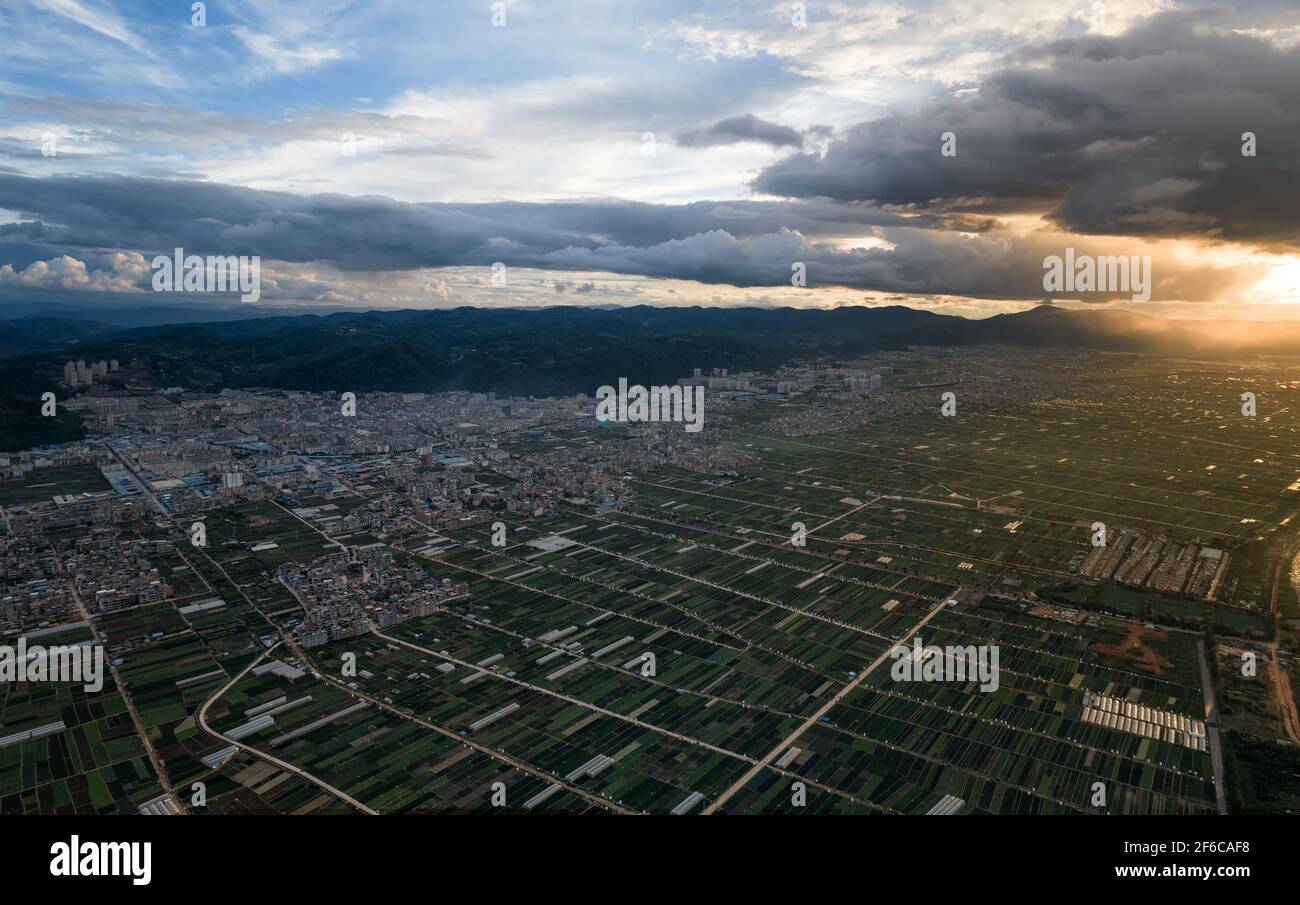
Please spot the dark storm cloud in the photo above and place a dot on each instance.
(375, 233)
(920, 261)
(737, 129)
(1138, 134)
(639, 223)
(352, 233)
(741, 243)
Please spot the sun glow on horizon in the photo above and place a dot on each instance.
(1282, 284)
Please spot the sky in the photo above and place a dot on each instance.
(933, 153)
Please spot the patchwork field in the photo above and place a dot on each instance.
(728, 642)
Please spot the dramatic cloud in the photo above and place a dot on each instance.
(124, 273)
(636, 152)
(740, 244)
(368, 233)
(997, 265)
(1139, 134)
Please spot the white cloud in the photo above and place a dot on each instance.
(126, 272)
(272, 54)
(102, 21)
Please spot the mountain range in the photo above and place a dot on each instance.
(541, 351)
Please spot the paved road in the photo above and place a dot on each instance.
(1212, 726)
(482, 749)
(1023, 481)
(1279, 681)
(614, 714)
(441, 730)
(283, 765)
(166, 514)
(812, 720)
(122, 690)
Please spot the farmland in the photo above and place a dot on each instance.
(726, 640)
